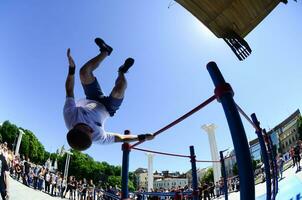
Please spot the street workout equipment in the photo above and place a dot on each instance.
(231, 20)
(224, 94)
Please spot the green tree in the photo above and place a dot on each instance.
(9, 132)
(133, 178)
(235, 169)
(208, 176)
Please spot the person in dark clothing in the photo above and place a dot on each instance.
(297, 156)
(3, 177)
(206, 194)
(26, 168)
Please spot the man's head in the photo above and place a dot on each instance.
(80, 137)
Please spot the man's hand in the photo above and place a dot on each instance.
(149, 136)
(144, 137)
(70, 59)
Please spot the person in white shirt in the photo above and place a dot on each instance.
(86, 119)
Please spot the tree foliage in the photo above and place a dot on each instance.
(235, 169)
(30, 146)
(208, 176)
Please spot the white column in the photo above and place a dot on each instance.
(19, 142)
(67, 164)
(210, 129)
(150, 171)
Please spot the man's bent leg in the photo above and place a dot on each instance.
(119, 89)
(115, 99)
(86, 74)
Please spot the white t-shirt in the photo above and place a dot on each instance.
(90, 112)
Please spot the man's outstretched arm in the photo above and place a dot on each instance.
(131, 138)
(69, 84)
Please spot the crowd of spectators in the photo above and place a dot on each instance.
(52, 182)
(206, 191)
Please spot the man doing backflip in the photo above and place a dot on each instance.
(86, 118)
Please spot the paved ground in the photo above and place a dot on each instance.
(18, 191)
(290, 189)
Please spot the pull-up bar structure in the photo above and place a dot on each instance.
(264, 156)
(224, 94)
(200, 106)
(267, 153)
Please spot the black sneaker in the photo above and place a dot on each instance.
(103, 46)
(125, 67)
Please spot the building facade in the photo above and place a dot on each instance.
(141, 177)
(255, 149)
(169, 183)
(229, 162)
(286, 132)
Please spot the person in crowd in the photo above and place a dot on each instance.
(211, 189)
(59, 184)
(42, 172)
(64, 186)
(18, 170)
(4, 187)
(221, 186)
(84, 189)
(47, 181)
(206, 194)
(36, 177)
(30, 177)
(280, 163)
(74, 187)
(27, 166)
(292, 153)
(69, 187)
(297, 156)
(90, 190)
(217, 189)
(86, 119)
(53, 183)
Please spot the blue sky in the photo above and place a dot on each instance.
(171, 49)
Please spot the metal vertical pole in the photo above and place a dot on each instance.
(125, 167)
(194, 173)
(275, 167)
(223, 172)
(224, 94)
(264, 156)
(270, 155)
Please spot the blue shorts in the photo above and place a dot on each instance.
(94, 92)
